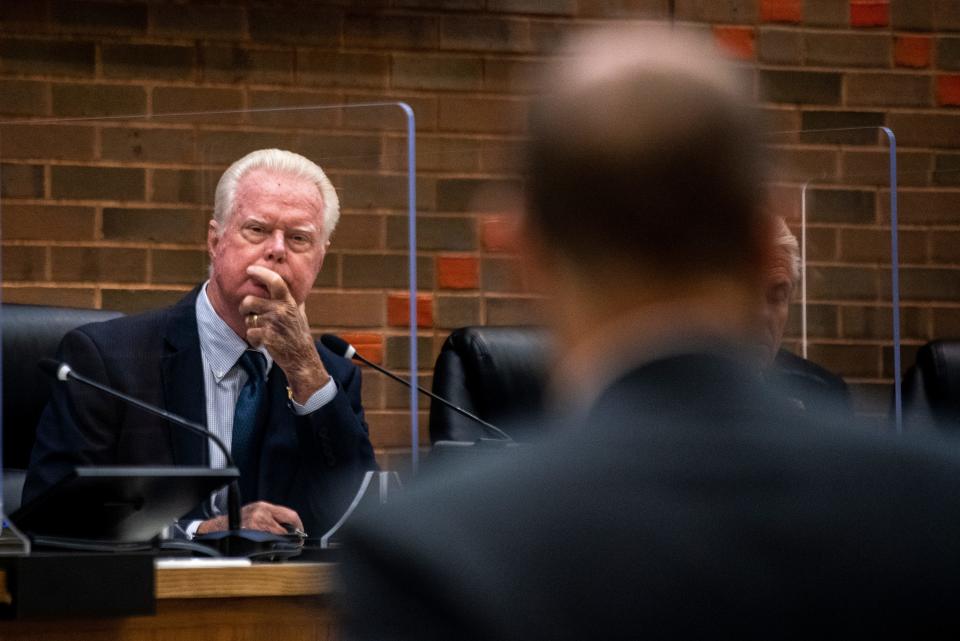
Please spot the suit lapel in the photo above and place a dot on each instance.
(181, 370)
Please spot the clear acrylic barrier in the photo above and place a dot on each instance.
(838, 190)
(111, 212)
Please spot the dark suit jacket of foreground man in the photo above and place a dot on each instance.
(310, 464)
(687, 503)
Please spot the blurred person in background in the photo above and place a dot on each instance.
(678, 498)
(807, 384)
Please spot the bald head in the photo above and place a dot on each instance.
(646, 153)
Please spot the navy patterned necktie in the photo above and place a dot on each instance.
(248, 415)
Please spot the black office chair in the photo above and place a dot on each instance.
(815, 387)
(30, 332)
(931, 388)
(493, 372)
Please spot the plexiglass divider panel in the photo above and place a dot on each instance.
(837, 189)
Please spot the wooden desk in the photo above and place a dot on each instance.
(288, 602)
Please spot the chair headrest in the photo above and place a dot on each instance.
(501, 363)
(939, 361)
(32, 332)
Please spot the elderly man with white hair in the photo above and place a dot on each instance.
(806, 384)
(235, 353)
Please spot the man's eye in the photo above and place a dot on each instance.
(300, 239)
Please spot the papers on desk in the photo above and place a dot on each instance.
(179, 564)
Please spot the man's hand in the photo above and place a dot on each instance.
(257, 516)
(280, 325)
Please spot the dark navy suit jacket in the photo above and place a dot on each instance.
(311, 463)
(689, 503)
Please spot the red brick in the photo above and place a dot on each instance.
(98, 100)
(332, 69)
(49, 142)
(911, 51)
(948, 90)
(185, 266)
(444, 72)
(151, 145)
(239, 64)
(869, 13)
(508, 310)
(132, 301)
(58, 295)
(21, 181)
(346, 309)
(368, 344)
(290, 112)
(398, 310)
(112, 264)
(47, 222)
(458, 272)
(359, 231)
(736, 41)
(97, 183)
(476, 33)
(23, 98)
(154, 225)
(501, 275)
(499, 233)
(176, 100)
(169, 62)
(494, 115)
(390, 32)
(24, 263)
(780, 11)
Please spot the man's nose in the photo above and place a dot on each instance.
(276, 247)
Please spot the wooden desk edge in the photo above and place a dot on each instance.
(263, 580)
(266, 580)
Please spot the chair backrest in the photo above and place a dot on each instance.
(931, 388)
(31, 332)
(494, 372)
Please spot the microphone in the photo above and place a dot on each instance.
(235, 541)
(341, 347)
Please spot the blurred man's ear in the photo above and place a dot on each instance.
(212, 237)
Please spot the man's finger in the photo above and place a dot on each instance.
(255, 305)
(285, 515)
(275, 285)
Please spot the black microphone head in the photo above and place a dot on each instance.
(337, 345)
(54, 368)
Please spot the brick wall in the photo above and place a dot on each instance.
(111, 213)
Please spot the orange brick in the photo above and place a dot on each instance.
(398, 310)
(948, 90)
(780, 11)
(458, 272)
(869, 13)
(911, 51)
(499, 233)
(368, 344)
(736, 41)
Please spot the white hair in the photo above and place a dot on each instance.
(786, 241)
(285, 162)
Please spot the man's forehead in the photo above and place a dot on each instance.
(289, 188)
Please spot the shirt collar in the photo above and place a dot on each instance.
(220, 345)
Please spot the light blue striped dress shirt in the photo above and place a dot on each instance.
(223, 378)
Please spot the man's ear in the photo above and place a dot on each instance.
(212, 238)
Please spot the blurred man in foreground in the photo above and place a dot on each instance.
(236, 354)
(806, 384)
(681, 499)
